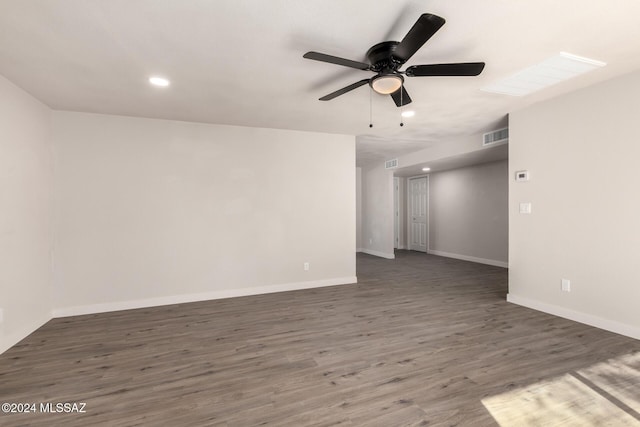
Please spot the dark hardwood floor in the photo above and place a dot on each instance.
(420, 340)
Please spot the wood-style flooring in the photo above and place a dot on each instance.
(420, 341)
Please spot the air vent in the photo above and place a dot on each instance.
(495, 137)
(391, 164)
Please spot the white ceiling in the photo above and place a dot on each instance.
(240, 62)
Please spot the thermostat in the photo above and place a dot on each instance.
(522, 176)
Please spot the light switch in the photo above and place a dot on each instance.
(525, 208)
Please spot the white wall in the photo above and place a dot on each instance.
(468, 213)
(151, 211)
(582, 151)
(25, 211)
(377, 211)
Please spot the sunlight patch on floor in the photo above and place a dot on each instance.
(605, 394)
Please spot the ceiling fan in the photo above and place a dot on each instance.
(386, 58)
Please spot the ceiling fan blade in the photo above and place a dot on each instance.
(459, 69)
(425, 27)
(400, 101)
(317, 56)
(344, 90)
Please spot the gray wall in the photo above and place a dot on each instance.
(468, 213)
(153, 212)
(582, 151)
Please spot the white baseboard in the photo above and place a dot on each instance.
(493, 262)
(359, 250)
(9, 340)
(378, 253)
(179, 299)
(577, 316)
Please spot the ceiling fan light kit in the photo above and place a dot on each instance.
(386, 59)
(386, 84)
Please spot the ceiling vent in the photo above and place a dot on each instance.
(495, 137)
(391, 164)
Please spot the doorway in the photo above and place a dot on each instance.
(418, 217)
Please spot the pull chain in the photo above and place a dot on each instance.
(370, 108)
(401, 104)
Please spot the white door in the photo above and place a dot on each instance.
(418, 188)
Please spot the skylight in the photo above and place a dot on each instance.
(556, 69)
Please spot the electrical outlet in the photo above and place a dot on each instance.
(306, 266)
(525, 208)
(566, 285)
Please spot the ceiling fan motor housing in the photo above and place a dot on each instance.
(381, 57)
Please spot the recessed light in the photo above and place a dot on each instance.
(426, 169)
(556, 69)
(159, 81)
(408, 113)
